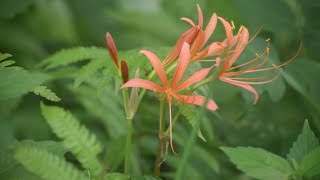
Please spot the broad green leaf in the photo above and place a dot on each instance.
(10, 8)
(310, 165)
(306, 142)
(302, 76)
(15, 82)
(46, 93)
(274, 15)
(259, 163)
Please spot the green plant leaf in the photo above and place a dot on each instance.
(17, 82)
(306, 142)
(76, 137)
(116, 176)
(46, 93)
(191, 114)
(69, 56)
(259, 163)
(301, 75)
(10, 8)
(310, 165)
(45, 164)
(274, 15)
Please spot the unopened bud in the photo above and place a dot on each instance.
(124, 71)
(112, 49)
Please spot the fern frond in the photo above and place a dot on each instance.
(45, 164)
(4, 56)
(69, 56)
(46, 93)
(89, 69)
(5, 62)
(76, 137)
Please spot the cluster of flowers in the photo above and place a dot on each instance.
(190, 48)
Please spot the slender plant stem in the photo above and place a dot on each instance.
(162, 140)
(127, 163)
(128, 148)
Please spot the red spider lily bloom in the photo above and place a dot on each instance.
(227, 73)
(170, 90)
(203, 35)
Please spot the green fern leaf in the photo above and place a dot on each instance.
(69, 56)
(89, 69)
(46, 93)
(5, 62)
(45, 164)
(4, 56)
(76, 137)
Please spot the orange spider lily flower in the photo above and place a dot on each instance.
(170, 91)
(227, 73)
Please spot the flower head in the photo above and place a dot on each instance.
(228, 73)
(171, 90)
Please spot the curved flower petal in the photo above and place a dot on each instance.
(142, 83)
(182, 65)
(198, 43)
(210, 27)
(228, 30)
(188, 21)
(200, 16)
(157, 65)
(242, 43)
(199, 101)
(188, 37)
(197, 76)
(243, 85)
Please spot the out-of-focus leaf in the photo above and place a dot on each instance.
(56, 17)
(274, 15)
(76, 137)
(310, 165)
(36, 160)
(145, 178)
(51, 146)
(15, 82)
(116, 176)
(10, 8)
(259, 163)
(306, 142)
(303, 76)
(46, 93)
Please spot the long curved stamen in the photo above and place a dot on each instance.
(205, 60)
(259, 78)
(278, 66)
(246, 63)
(255, 35)
(171, 145)
(263, 82)
(251, 69)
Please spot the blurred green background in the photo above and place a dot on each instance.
(31, 30)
